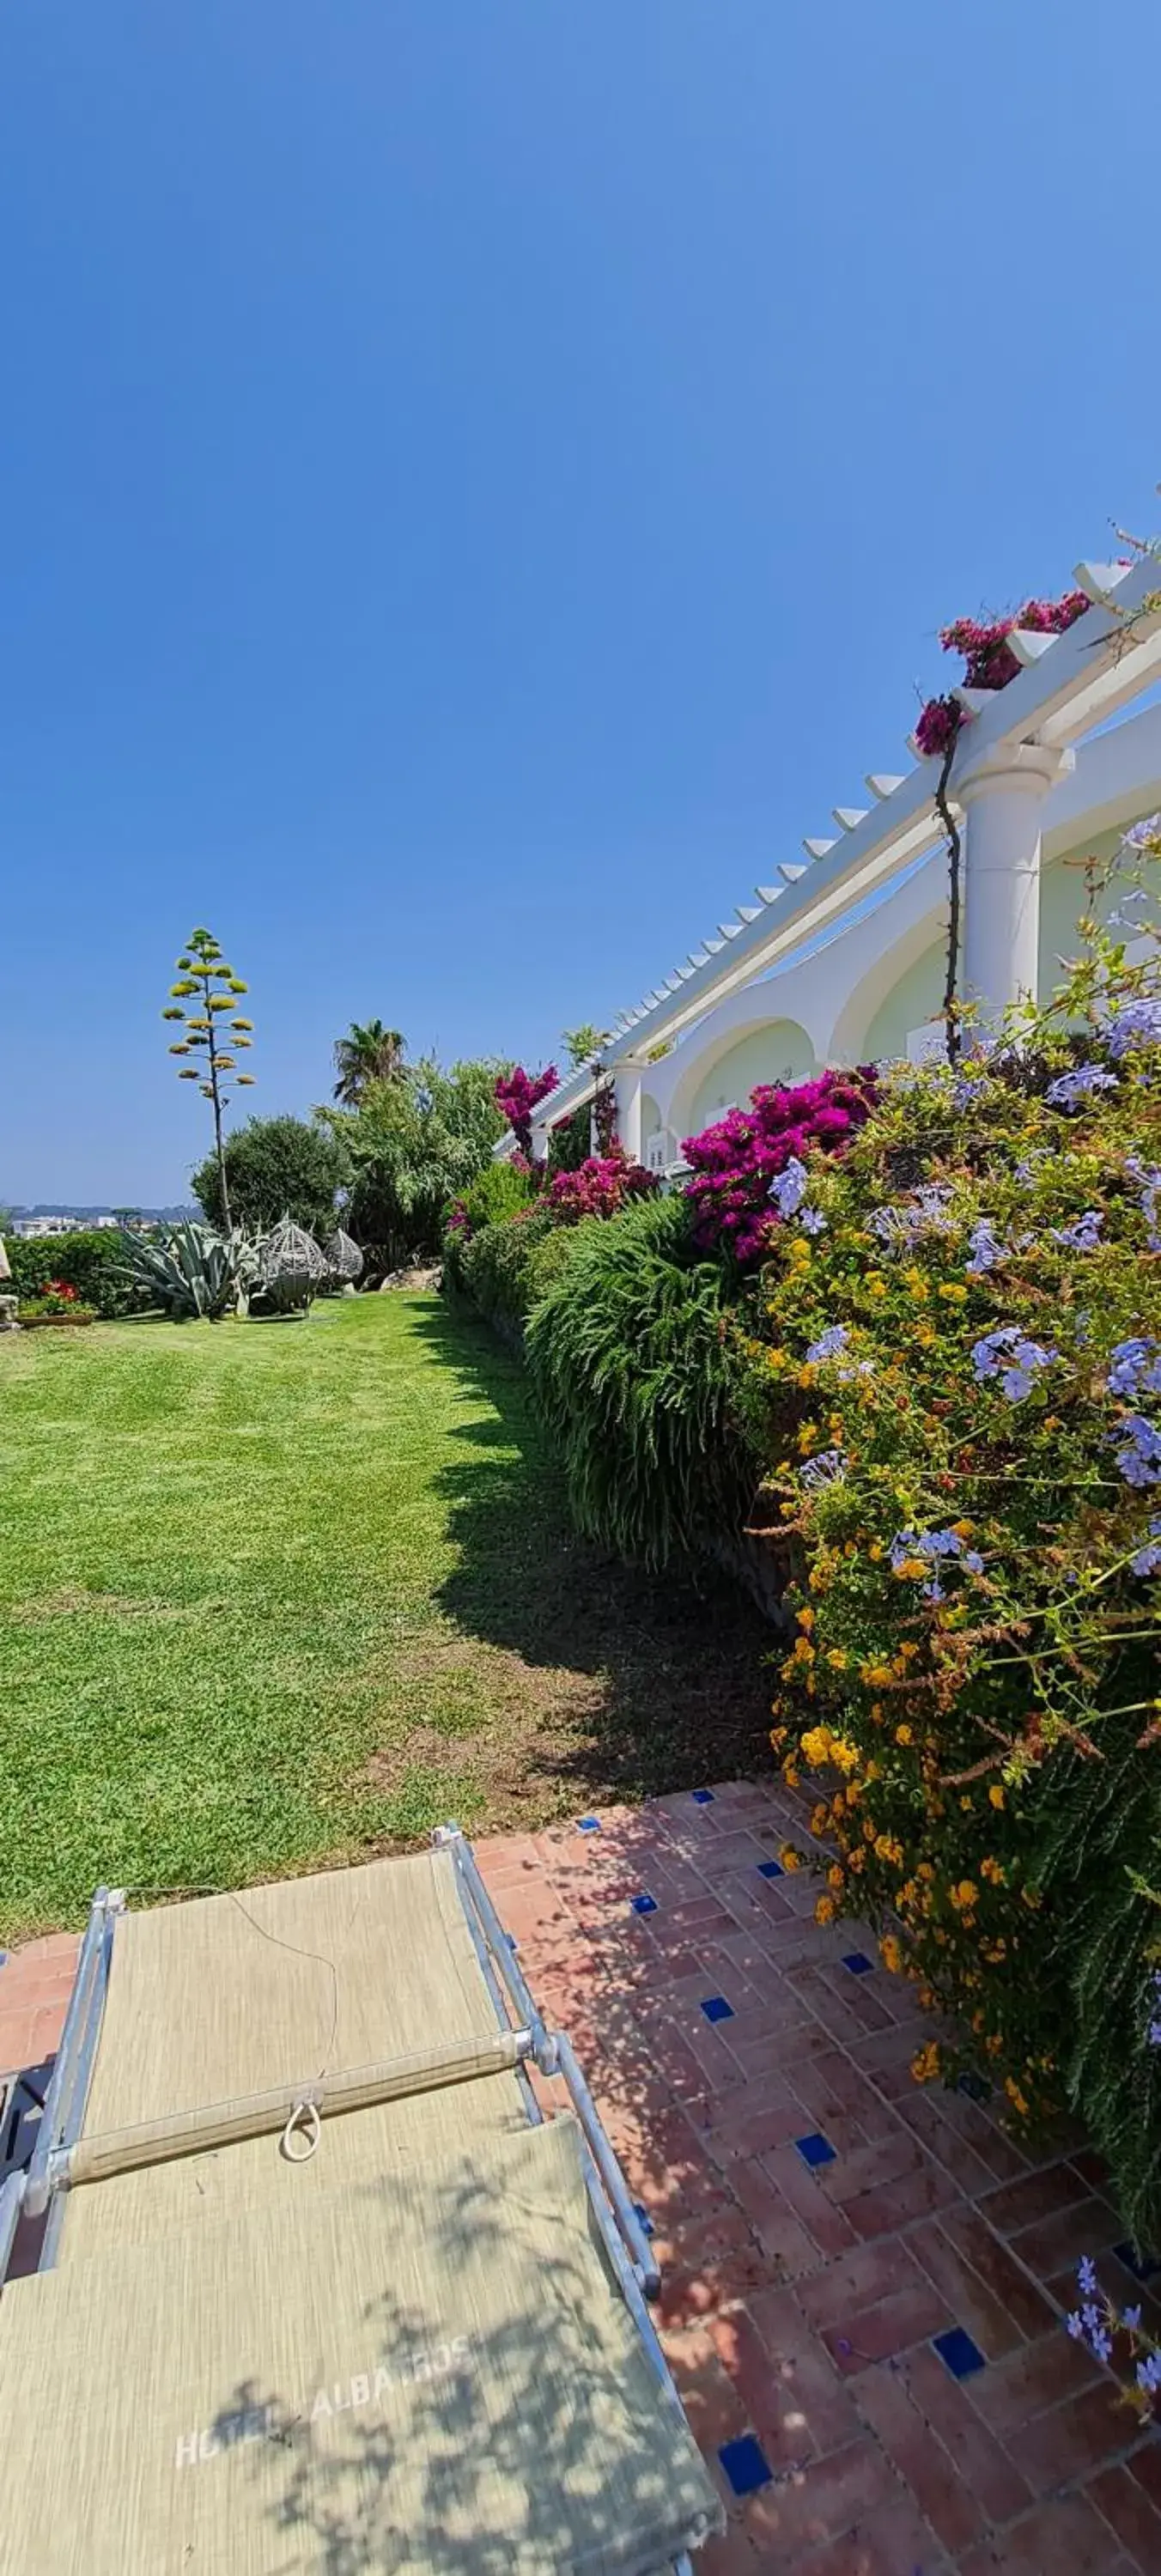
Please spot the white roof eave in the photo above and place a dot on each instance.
(1084, 676)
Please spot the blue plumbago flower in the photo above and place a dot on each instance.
(828, 1468)
(968, 1088)
(931, 1545)
(1148, 1558)
(1069, 1089)
(899, 1228)
(1086, 2275)
(1135, 1024)
(1139, 1459)
(1149, 2373)
(834, 1339)
(789, 1189)
(1131, 2317)
(985, 1248)
(812, 1221)
(1155, 2026)
(1028, 1169)
(1133, 1371)
(1010, 1356)
(1139, 835)
(1149, 1176)
(1084, 1234)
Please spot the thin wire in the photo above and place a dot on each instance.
(299, 1952)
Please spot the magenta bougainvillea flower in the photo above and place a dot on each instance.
(518, 1093)
(989, 660)
(599, 1186)
(735, 1164)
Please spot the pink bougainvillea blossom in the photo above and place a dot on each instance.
(989, 660)
(599, 1186)
(735, 1164)
(518, 1093)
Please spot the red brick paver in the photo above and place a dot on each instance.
(800, 2304)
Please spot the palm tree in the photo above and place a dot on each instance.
(368, 1053)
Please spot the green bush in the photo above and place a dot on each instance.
(569, 1144)
(275, 1167)
(505, 1268)
(637, 1373)
(89, 1261)
(499, 1191)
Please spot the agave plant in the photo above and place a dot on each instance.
(189, 1271)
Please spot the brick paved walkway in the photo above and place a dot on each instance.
(862, 2281)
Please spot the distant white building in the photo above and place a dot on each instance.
(840, 959)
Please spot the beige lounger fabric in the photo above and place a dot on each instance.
(429, 2372)
(354, 2153)
(236, 1994)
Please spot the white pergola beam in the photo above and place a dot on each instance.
(1095, 668)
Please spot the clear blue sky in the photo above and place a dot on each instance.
(481, 478)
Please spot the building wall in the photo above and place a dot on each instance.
(780, 1051)
(916, 997)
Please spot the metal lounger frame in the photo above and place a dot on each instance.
(42, 2190)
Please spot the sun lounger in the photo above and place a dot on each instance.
(319, 2288)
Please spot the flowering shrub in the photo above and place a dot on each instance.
(989, 660)
(748, 1173)
(599, 1186)
(518, 1093)
(960, 1378)
(56, 1305)
(64, 1289)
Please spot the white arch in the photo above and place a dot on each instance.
(695, 1068)
(903, 944)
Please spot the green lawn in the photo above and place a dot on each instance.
(279, 1593)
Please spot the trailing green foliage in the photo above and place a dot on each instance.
(91, 1261)
(189, 1271)
(275, 1167)
(636, 1373)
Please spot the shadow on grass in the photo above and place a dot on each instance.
(678, 1661)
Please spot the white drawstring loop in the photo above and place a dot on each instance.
(305, 2126)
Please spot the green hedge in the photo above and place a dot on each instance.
(89, 1261)
(505, 1268)
(638, 1374)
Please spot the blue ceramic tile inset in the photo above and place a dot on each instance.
(716, 2008)
(745, 2464)
(858, 1963)
(957, 2351)
(771, 1869)
(644, 1904)
(702, 1797)
(815, 2150)
(588, 1824)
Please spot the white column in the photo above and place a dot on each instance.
(629, 1080)
(540, 1136)
(1003, 800)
